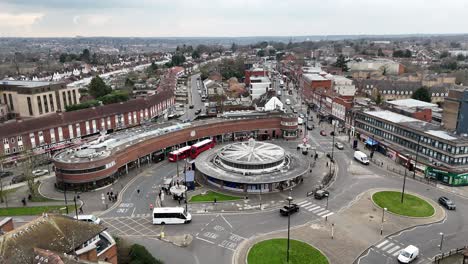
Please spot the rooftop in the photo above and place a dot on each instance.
(25, 84)
(412, 103)
(314, 77)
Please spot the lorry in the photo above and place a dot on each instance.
(361, 157)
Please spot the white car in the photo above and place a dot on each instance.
(40, 172)
(408, 254)
(90, 219)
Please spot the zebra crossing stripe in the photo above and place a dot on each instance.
(327, 215)
(310, 206)
(318, 210)
(313, 208)
(138, 215)
(381, 244)
(396, 253)
(393, 249)
(306, 204)
(324, 212)
(303, 202)
(387, 246)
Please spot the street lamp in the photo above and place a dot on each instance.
(404, 182)
(383, 219)
(441, 240)
(289, 226)
(65, 193)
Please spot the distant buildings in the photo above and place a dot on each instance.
(455, 116)
(27, 99)
(254, 72)
(56, 239)
(414, 108)
(259, 86)
(360, 69)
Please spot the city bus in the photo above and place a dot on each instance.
(201, 146)
(179, 154)
(171, 215)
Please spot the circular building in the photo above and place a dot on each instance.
(251, 166)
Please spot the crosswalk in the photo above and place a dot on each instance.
(315, 209)
(389, 247)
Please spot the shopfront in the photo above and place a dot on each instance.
(447, 177)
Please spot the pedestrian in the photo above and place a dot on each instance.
(138, 191)
(215, 200)
(327, 163)
(151, 206)
(24, 201)
(81, 209)
(178, 199)
(160, 192)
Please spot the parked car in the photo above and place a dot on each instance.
(90, 219)
(323, 133)
(198, 111)
(332, 133)
(38, 173)
(18, 178)
(320, 194)
(408, 254)
(447, 203)
(191, 106)
(289, 210)
(4, 174)
(338, 145)
(301, 116)
(310, 126)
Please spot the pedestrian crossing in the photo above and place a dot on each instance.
(315, 209)
(389, 247)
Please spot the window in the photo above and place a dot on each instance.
(78, 130)
(12, 140)
(39, 104)
(74, 96)
(7, 150)
(46, 106)
(109, 124)
(87, 127)
(5, 101)
(69, 97)
(33, 140)
(64, 97)
(94, 126)
(41, 137)
(52, 135)
(5, 141)
(60, 133)
(70, 131)
(30, 106)
(12, 107)
(103, 124)
(129, 118)
(19, 139)
(51, 101)
(20, 147)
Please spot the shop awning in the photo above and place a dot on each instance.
(371, 142)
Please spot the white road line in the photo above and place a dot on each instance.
(306, 204)
(393, 249)
(309, 206)
(303, 202)
(205, 240)
(318, 210)
(226, 247)
(324, 212)
(133, 211)
(387, 246)
(396, 253)
(381, 244)
(313, 208)
(226, 221)
(327, 215)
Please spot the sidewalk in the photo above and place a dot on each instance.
(350, 237)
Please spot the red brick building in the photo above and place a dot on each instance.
(257, 72)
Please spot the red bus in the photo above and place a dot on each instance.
(201, 146)
(179, 154)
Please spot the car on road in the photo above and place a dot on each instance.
(310, 126)
(338, 145)
(323, 133)
(361, 157)
(289, 210)
(301, 115)
(447, 203)
(408, 254)
(18, 178)
(38, 173)
(320, 194)
(198, 111)
(4, 174)
(288, 102)
(90, 219)
(294, 110)
(191, 106)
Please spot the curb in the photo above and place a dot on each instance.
(410, 217)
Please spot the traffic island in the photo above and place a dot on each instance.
(412, 205)
(211, 196)
(273, 251)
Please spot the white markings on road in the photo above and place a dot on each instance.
(205, 240)
(327, 215)
(387, 246)
(226, 221)
(393, 249)
(313, 208)
(381, 244)
(318, 210)
(322, 213)
(396, 253)
(304, 203)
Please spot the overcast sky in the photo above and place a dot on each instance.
(162, 18)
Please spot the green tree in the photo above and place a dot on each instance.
(195, 54)
(422, 94)
(152, 68)
(380, 53)
(342, 63)
(94, 59)
(444, 54)
(140, 255)
(460, 57)
(177, 59)
(378, 99)
(129, 84)
(98, 88)
(234, 47)
(261, 53)
(86, 55)
(63, 58)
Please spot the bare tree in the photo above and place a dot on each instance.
(27, 167)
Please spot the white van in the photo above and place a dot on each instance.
(89, 219)
(408, 254)
(361, 157)
(288, 102)
(171, 215)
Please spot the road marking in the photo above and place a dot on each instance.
(318, 210)
(303, 202)
(324, 212)
(387, 246)
(313, 208)
(226, 221)
(393, 249)
(327, 215)
(381, 244)
(133, 211)
(205, 240)
(396, 253)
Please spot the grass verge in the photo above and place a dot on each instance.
(412, 205)
(273, 251)
(34, 210)
(210, 196)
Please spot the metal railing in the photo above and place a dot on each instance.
(452, 252)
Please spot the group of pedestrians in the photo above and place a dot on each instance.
(112, 196)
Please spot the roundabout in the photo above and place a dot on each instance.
(412, 205)
(273, 251)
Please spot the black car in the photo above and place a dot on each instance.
(18, 178)
(289, 210)
(310, 126)
(191, 106)
(320, 194)
(4, 174)
(447, 203)
(198, 111)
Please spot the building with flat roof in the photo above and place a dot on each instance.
(414, 108)
(258, 86)
(441, 154)
(455, 115)
(27, 99)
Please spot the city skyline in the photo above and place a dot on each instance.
(223, 18)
